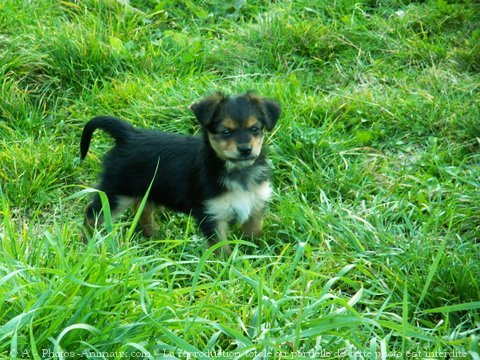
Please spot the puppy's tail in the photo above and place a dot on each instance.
(118, 129)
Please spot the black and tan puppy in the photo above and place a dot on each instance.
(220, 177)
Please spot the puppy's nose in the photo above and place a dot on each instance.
(245, 150)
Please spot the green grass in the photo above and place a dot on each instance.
(371, 242)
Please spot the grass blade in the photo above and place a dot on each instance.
(432, 271)
(457, 307)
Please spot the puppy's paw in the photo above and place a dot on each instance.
(148, 231)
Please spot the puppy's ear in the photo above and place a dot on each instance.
(272, 111)
(205, 109)
(270, 108)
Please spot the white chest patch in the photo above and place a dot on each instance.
(238, 204)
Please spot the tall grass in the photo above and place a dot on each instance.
(370, 247)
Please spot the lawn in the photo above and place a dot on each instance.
(371, 246)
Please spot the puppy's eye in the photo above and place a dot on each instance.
(255, 130)
(227, 132)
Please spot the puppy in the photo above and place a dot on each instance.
(220, 177)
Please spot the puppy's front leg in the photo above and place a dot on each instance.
(146, 221)
(221, 235)
(216, 231)
(253, 226)
(89, 223)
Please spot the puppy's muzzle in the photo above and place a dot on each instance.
(244, 151)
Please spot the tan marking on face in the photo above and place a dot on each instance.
(256, 142)
(230, 124)
(251, 122)
(225, 149)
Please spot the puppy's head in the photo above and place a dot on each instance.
(235, 125)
